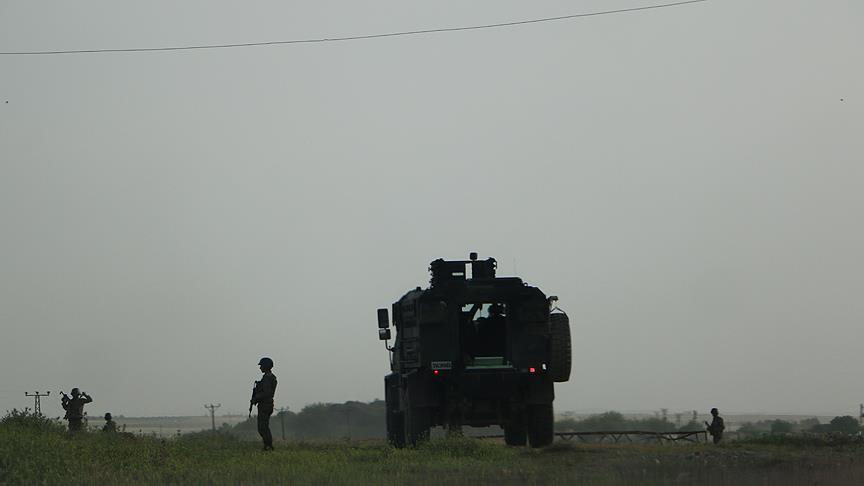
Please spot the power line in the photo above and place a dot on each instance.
(355, 37)
(37, 402)
(281, 415)
(212, 409)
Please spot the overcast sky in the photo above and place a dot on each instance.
(687, 180)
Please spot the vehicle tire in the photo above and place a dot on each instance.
(395, 419)
(416, 425)
(541, 425)
(395, 429)
(559, 367)
(515, 435)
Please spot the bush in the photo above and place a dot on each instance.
(31, 420)
(565, 425)
(806, 440)
(615, 421)
(692, 425)
(843, 425)
(781, 427)
(603, 422)
(349, 420)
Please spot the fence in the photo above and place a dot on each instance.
(617, 436)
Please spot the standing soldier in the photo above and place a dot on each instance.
(262, 395)
(716, 427)
(75, 408)
(110, 425)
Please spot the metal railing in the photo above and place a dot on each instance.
(618, 436)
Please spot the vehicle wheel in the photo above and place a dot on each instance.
(515, 435)
(395, 419)
(541, 425)
(395, 429)
(559, 367)
(416, 425)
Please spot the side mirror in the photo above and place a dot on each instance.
(383, 334)
(383, 319)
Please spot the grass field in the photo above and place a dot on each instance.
(49, 456)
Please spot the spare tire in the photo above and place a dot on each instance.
(559, 367)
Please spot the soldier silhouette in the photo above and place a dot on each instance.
(491, 332)
(74, 407)
(716, 427)
(262, 396)
(110, 425)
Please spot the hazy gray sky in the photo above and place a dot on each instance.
(688, 181)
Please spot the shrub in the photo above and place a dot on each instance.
(781, 427)
(692, 425)
(844, 425)
(806, 440)
(604, 421)
(31, 420)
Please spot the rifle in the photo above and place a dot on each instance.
(63, 401)
(251, 401)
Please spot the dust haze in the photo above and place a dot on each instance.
(687, 181)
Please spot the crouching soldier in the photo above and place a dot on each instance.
(262, 396)
(110, 424)
(74, 407)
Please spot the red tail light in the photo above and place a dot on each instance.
(532, 370)
(435, 372)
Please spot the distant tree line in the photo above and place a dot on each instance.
(358, 420)
(350, 420)
(616, 422)
(838, 425)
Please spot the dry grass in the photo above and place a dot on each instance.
(33, 456)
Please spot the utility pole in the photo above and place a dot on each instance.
(348, 420)
(282, 421)
(37, 403)
(212, 409)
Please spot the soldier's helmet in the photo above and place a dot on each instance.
(714, 411)
(266, 362)
(75, 392)
(108, 416)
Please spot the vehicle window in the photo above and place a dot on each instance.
(483, 331)
(483, 309)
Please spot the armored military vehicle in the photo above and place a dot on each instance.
(477, 350)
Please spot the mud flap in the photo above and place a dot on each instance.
(422, 391)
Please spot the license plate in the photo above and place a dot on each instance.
(442, 365)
